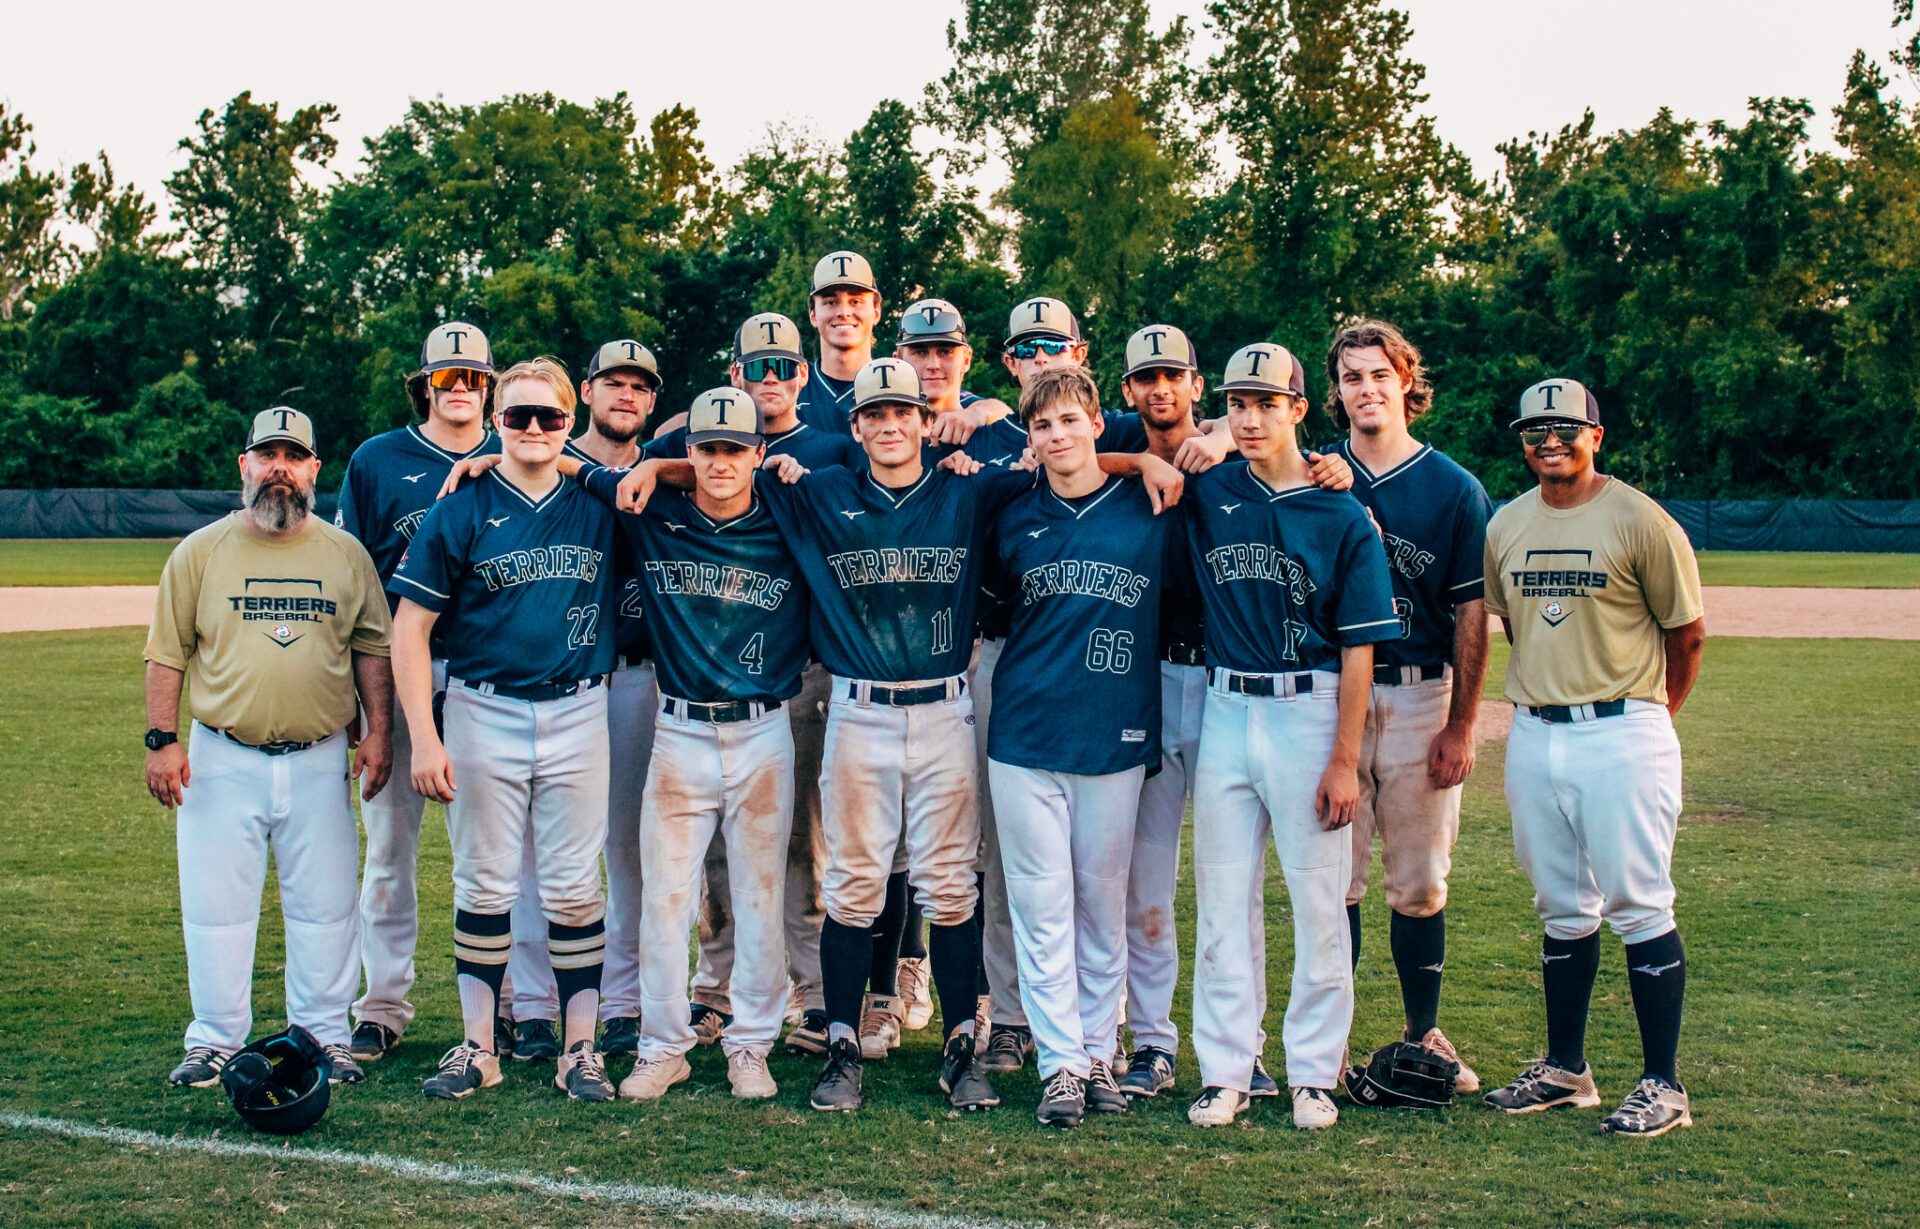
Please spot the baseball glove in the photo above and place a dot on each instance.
(1404, 1075)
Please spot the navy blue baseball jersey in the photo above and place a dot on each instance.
(392, 480)
(523, 587)
(1288, 578)
(825, 403)
(894, 574)
(805, 443)
(1077, 688)
(725, 597)
(1433, 520)
(630, 636)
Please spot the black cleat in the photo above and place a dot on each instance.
(535, 1041)
(372, 1041)
(582, 1074)
(838, 1089)
(1007, 1048)
(1063, 1102)
(1149, 1072)
(961, 1079)
(620, 1035)
(810, 1035)
(503, 1036)
(1654, 1107)
(1262, 1084)
(200, 1068)
(1104, 1095)
(1544, 1086)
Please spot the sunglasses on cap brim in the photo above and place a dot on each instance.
(448, 377)
(757, 369)
(1565, 432)
(519, 417)
(1027, 349)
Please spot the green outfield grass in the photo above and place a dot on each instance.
(1809, 569)
(1798, 843)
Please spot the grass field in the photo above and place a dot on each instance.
(1799, 842)
(137, 561)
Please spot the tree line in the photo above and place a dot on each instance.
(1744, 304)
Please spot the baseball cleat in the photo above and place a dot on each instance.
(1654, 1107)
(651, 1077)
(200, 1068)
(982, 1022)
(966, 1086)
(911, 980)
(1007, 1048)
(535, 1041)
(1313, 1109)
(464, 1070)
(373, 1041)
(1217, 1107)
(503, 1036)
(582, 1073)
(747, 1073)
(1436, 1041)
(620, 1035)
(1262, 1085)
(345, 1070)
(1104, 1095)
(1544, 1086)
(796, 1004)
(1063, 1102)
(1149, 1072)
(879, 1025)
(838, 1089)
(708, 1025)
(810, 1035)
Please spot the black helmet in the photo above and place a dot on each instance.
(279, 1084)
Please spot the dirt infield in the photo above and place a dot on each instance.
(33, 609)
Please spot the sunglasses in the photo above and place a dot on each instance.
(757, 369)
(1027, 349)
(1565, 432)
(518, 417)
(448, 377)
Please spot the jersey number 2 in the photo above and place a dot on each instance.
(584, 620)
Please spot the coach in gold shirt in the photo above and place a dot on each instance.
(279, 620)
(1600, 595)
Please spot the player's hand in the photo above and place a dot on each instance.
(1450, 758)
(952, 427)
(168, 774)
(432, 771)
(1329, 470)
(785, 468)
(464, 469)
(1029, 460)
(1337, 797)
(960, 463)
(1164, 482)
(373, 763)
(635, 489)
(1200, 453)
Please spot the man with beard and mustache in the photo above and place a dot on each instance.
(280, 620)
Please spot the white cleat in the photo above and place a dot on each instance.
(747, 1072)
(1313, 1109)
(879, 1025)
(651, 1077)
(1436, 1041)
(912, 981)
(1217, 1107)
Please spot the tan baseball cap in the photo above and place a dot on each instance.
(623, 355)
(456, 345)
(1264, 368)
(281, 424)
(843, 269)
(933, 321)
(767, 335)
(1160, 345)
(1040, 319)
(723, 413)
(886, 380)
(1558, 401)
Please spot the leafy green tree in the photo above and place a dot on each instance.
(31, 250)
(54, 441)
(174, 436)
(127, 318)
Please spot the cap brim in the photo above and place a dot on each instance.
(934, 339)
(645, 371)
(295, 440)
(750, 355)
(917, 402)
(465, 364)
(1160, 365)
(1041, 335)
(746, 439)
(843, 286)
(1249, 386)
(1549, 420)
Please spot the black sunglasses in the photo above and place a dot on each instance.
(756, 369)
(517, 417)
(1565, 432)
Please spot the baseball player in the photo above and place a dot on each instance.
(769, 365)
(519, 564)
(1082, 552)
(279, 619)
(390, 484)
(1418, 745)
(843, 307)
(619, 391)
(1296, 593)
(1599, 593)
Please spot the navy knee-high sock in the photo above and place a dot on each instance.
(887, 929)
(1567, 969)
(1353, 932)
(846, 952)
(1657, 974)
(1419, 954)
(955, 955)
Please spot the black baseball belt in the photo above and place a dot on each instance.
(1183, 654)
(556, 689)
(1263, 684)
(1396, 676)
(904, 697)
(1565, 714)
(722, 712)
(275, 748)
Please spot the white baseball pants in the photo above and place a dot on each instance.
(241, 804)
(1595, 807)
(892, 773)
(389, 885)
(1260, 763)
(1066, 841)
(1417, 823)
(528, 771)
(633, 700)
(996, 936)
(1153, 945)
(735, 778)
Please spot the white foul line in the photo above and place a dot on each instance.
(662, 1198)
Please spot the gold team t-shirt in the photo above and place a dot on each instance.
(1587, 591)
(266, 628)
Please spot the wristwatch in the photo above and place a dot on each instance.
(158, 738)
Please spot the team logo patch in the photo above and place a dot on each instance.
(1554, 613)
(1133, 736)
(283, 637)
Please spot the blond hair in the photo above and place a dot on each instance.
(1072, 384)
(545, 370)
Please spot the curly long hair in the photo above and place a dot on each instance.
(1401, 353)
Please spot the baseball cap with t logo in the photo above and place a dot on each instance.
(623, 355)
(456, 345)
(886, 381)
(1160, 345)
(1558, 401)
(767, 335)
(1264, 368)
(1042, 319)
(281, 424)
(843, 271)
(723, 415)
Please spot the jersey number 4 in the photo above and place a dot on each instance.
(1109, 650)
(584, 620)
(751, 656)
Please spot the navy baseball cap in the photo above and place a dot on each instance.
(1557, 401)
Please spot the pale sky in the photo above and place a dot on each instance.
(131, 79)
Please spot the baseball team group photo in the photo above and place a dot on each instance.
(1138, 643)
